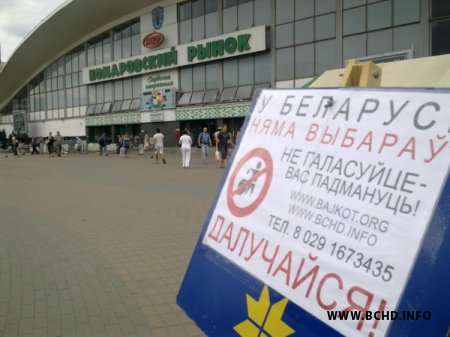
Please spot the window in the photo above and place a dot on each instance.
(284, 35)
(406, 11)
(244, 92)
(304, 31)
(135, 104)
(304, 61)
(325, 26)
(440, 8)
(90, 109)
(260, 87)
(230, 77)
(98, 108)
(354, 46)
(354, 20)
(379, 15)
(325, 56)
(440, 39)
(210, 96)
(285, 64)
(184, 11)
(185, 98)
(284, 11)
(245, 15)
(379, 42)
(228, 94)
(246, 70)
(106, 107)
(197, 97)
(126, 105)
(117, 106)
(304, 9)
(186, 79)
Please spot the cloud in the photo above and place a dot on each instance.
(18, 18)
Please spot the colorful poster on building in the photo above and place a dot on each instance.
(159, 91)
(328, 198)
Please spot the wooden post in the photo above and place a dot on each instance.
(361, 74)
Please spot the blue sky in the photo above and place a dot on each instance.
(18, 18)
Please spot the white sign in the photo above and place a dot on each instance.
(330, 194)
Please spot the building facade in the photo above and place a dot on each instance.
(186, 65)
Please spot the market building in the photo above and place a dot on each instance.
(95, 67)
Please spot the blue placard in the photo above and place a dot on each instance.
(229, 298)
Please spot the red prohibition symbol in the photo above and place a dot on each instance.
(265, 173)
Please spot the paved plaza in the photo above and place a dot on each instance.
(96, 246)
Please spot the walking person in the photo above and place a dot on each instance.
(141, 142)
(204, 141)
(126, 144)
(78, 145)
(158, 143)
(223, 145)
(102, 144)
(59, 140)
(15, 146)
(34, 144)
(50, 144)
(185, 142)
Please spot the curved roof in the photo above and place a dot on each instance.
(70, 25)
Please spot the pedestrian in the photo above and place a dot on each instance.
(177, 136)
(185, 142)
(59, 140)
(119, 143)
(50, 144)
(102, 141)
(15, 146)
(78, 145)
(204, 141)
(34, 144)
(141, 143)
(223, 145)
(158, 143)
(146, 144)
(126, 144)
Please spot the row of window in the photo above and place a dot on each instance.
(244, 15)
(244, 92)
(116, 106)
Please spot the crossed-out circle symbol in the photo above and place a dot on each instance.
(266, 173)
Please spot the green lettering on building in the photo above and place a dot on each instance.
(114, 71)
(230, 45)
(243, 42)
(217, 48)
(134, 66)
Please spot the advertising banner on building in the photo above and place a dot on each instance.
(159, 91)
(20, 122)
(327, 202)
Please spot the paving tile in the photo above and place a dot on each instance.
(80, 262)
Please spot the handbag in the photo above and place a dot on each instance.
(217, 155)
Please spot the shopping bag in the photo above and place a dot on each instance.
(122, 151)
(217, 155)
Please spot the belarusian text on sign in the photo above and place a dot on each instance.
(330, 194)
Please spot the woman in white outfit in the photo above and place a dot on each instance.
(186, 142)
